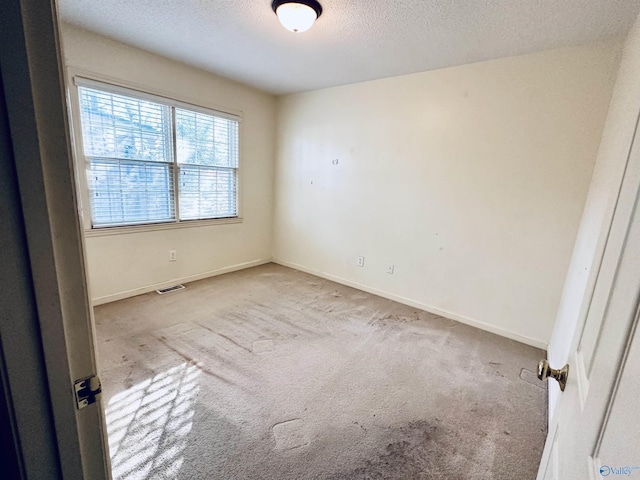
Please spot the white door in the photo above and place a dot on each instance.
(595, 429)
(48, 260)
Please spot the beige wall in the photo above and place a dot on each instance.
(122, 265)
(470, 180)
(600, 205)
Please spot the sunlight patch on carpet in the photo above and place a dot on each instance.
(148, 424)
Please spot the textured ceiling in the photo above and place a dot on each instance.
(353, 40)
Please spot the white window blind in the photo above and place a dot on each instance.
(133, 175)
(129, 192)
(207, 151)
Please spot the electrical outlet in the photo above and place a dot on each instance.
(172, 255)
(360, 262)
(390, 268)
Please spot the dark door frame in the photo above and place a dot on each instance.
(45, 311)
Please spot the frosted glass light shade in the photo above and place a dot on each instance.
(296, 17)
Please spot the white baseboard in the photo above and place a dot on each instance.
(192, 278)
(412, 303)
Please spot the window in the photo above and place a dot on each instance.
(152, 160)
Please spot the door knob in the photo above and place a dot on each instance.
(545, 371)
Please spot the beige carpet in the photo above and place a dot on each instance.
(274, 374)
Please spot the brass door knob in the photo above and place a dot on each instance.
(545, 371)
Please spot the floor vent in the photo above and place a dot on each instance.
(162, 291)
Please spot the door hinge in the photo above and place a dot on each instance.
(87, 391)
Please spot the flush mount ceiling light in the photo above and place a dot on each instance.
(297, 16)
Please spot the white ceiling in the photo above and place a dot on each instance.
(353, 40)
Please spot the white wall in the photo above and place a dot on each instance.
(600, 205)
(121, 265)
(470, 180)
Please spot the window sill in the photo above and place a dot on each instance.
(105, 231)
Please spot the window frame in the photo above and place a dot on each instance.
(79, 78)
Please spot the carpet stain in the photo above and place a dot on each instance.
(361, 426)
(395, 320)
(422, 449)
(407, 457)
